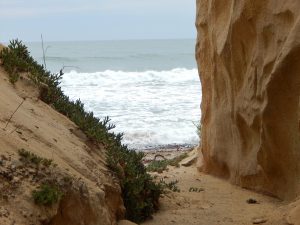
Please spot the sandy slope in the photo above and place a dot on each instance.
(219, 203)
(41, 130)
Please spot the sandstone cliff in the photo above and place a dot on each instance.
(248, 52)
(91, 195)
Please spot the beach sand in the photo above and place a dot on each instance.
(204, 199)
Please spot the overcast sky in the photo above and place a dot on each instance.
(63, 20)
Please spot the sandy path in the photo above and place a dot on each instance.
(219, 203)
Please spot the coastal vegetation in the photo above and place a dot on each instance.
(172, 185)
(29, 157)
(161, 165)
(139, 190)
(47, 195)
(198, 128)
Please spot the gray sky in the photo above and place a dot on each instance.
(63, 20)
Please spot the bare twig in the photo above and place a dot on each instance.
(44, 57)
(14, 113)
(48, 46)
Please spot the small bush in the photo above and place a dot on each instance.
(172, 185)
(158, 166)
(14, 77)
(30, 157)
(47, 162)
(198, 128)
(14, 59)
(139, 191)
(47, 195)
(161, 165)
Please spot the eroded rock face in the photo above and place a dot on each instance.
(86, 207)
(248, 52)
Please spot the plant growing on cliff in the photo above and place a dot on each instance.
(12, 61)
(29, 157)
(139, 191)
(198, 128)
(47, 195)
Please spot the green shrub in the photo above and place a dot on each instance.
(14, 77)
(172, 185)
(47, 162)
(198, 128)
(30, 157)
(158, 166)
(161, 165)
(47, 195)
(139, 191)
(14, 60)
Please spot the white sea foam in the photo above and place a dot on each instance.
(151, 107)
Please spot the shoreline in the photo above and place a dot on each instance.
(167, 147)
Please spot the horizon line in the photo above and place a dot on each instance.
(94, 40)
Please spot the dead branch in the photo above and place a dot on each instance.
(44, 56)
(14, 113)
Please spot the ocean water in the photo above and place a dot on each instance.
(149, 88)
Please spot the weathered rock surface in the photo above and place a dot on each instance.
(293, 216)
(83, 207)
(248, 52)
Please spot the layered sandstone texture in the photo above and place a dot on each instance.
(248, 53)
(91, 194)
